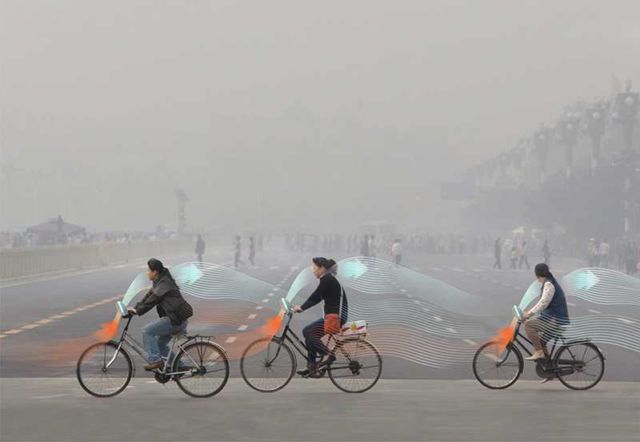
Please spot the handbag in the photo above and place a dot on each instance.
(332, 320)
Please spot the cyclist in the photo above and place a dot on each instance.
(172, 308)
(549, 314)
(335, 309)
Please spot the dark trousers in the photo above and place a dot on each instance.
(313, 334)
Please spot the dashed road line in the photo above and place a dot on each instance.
(13, 331)
(258, 307)
(229, 340)
(252, 316)
(470, 342)
(626, 321)
(571, 304)
(243, 327)
(437, 318)
(452, 330)
(594, 311)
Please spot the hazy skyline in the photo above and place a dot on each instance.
(282, 112)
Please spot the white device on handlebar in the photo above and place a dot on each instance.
(285, 305)
(122, 309)
(517, 311)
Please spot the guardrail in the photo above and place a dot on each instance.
(17, 263)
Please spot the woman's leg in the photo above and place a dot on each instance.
(313, 334)
(533, 327)
(151, 334)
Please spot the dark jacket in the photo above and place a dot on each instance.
(329, 291)
(166, 297)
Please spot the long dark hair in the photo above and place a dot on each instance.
(157, 266)
(542, 270)
(328, 264)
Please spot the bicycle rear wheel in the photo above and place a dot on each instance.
(103, 370)
(267, 365)
(206, 366)
(580, 366)
(357, 367)
(496, 366)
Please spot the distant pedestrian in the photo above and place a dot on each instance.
(252, 251)
(523, 255)
(396, 252)
(200, 247)
(497, 253)
(514, 256)
(364, 248)
(603, 252)
(238, 251)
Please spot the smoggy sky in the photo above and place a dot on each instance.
(296, 112)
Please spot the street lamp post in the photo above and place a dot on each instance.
(568, 131)
(595, 121)
(541, 140)
(625, 113)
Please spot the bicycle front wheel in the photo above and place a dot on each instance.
(357, 367)
(267, 365)
(496, 366)
(203, 369)
(103, 370)
(579, 366)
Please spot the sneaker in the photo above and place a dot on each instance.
(304, 372)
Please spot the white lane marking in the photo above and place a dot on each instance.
(571, 304)
(293, 269)
(436, 269)
(43, 321)
(265, 300)
(229, 340)
(243, 327)
(593, 311)
(457, 269)
(57, 317)
(403, 290)
(437, 318)
(258, 307)
(270, 294)
(252, 316)
(30, 326)
(426, 309)
(409, 296)
(626, 321)
(52, 396)
(477, 270)
(470, 342)
(452, 330)
(3, 336)
(13, 331)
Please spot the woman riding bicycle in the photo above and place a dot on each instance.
(172, 308)
(335, 314)
(548, 315)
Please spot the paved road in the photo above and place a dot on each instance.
(57, 410)
(37, 319)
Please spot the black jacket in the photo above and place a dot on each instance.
(166, 297)
(329, 291)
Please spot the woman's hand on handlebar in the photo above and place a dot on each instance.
(296, 309)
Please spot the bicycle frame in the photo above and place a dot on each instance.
(300, 346)
(127, 340)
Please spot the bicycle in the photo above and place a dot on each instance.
(356, 369)
(578, 364)
(106, 368)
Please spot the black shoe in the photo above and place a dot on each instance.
(328, 360)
